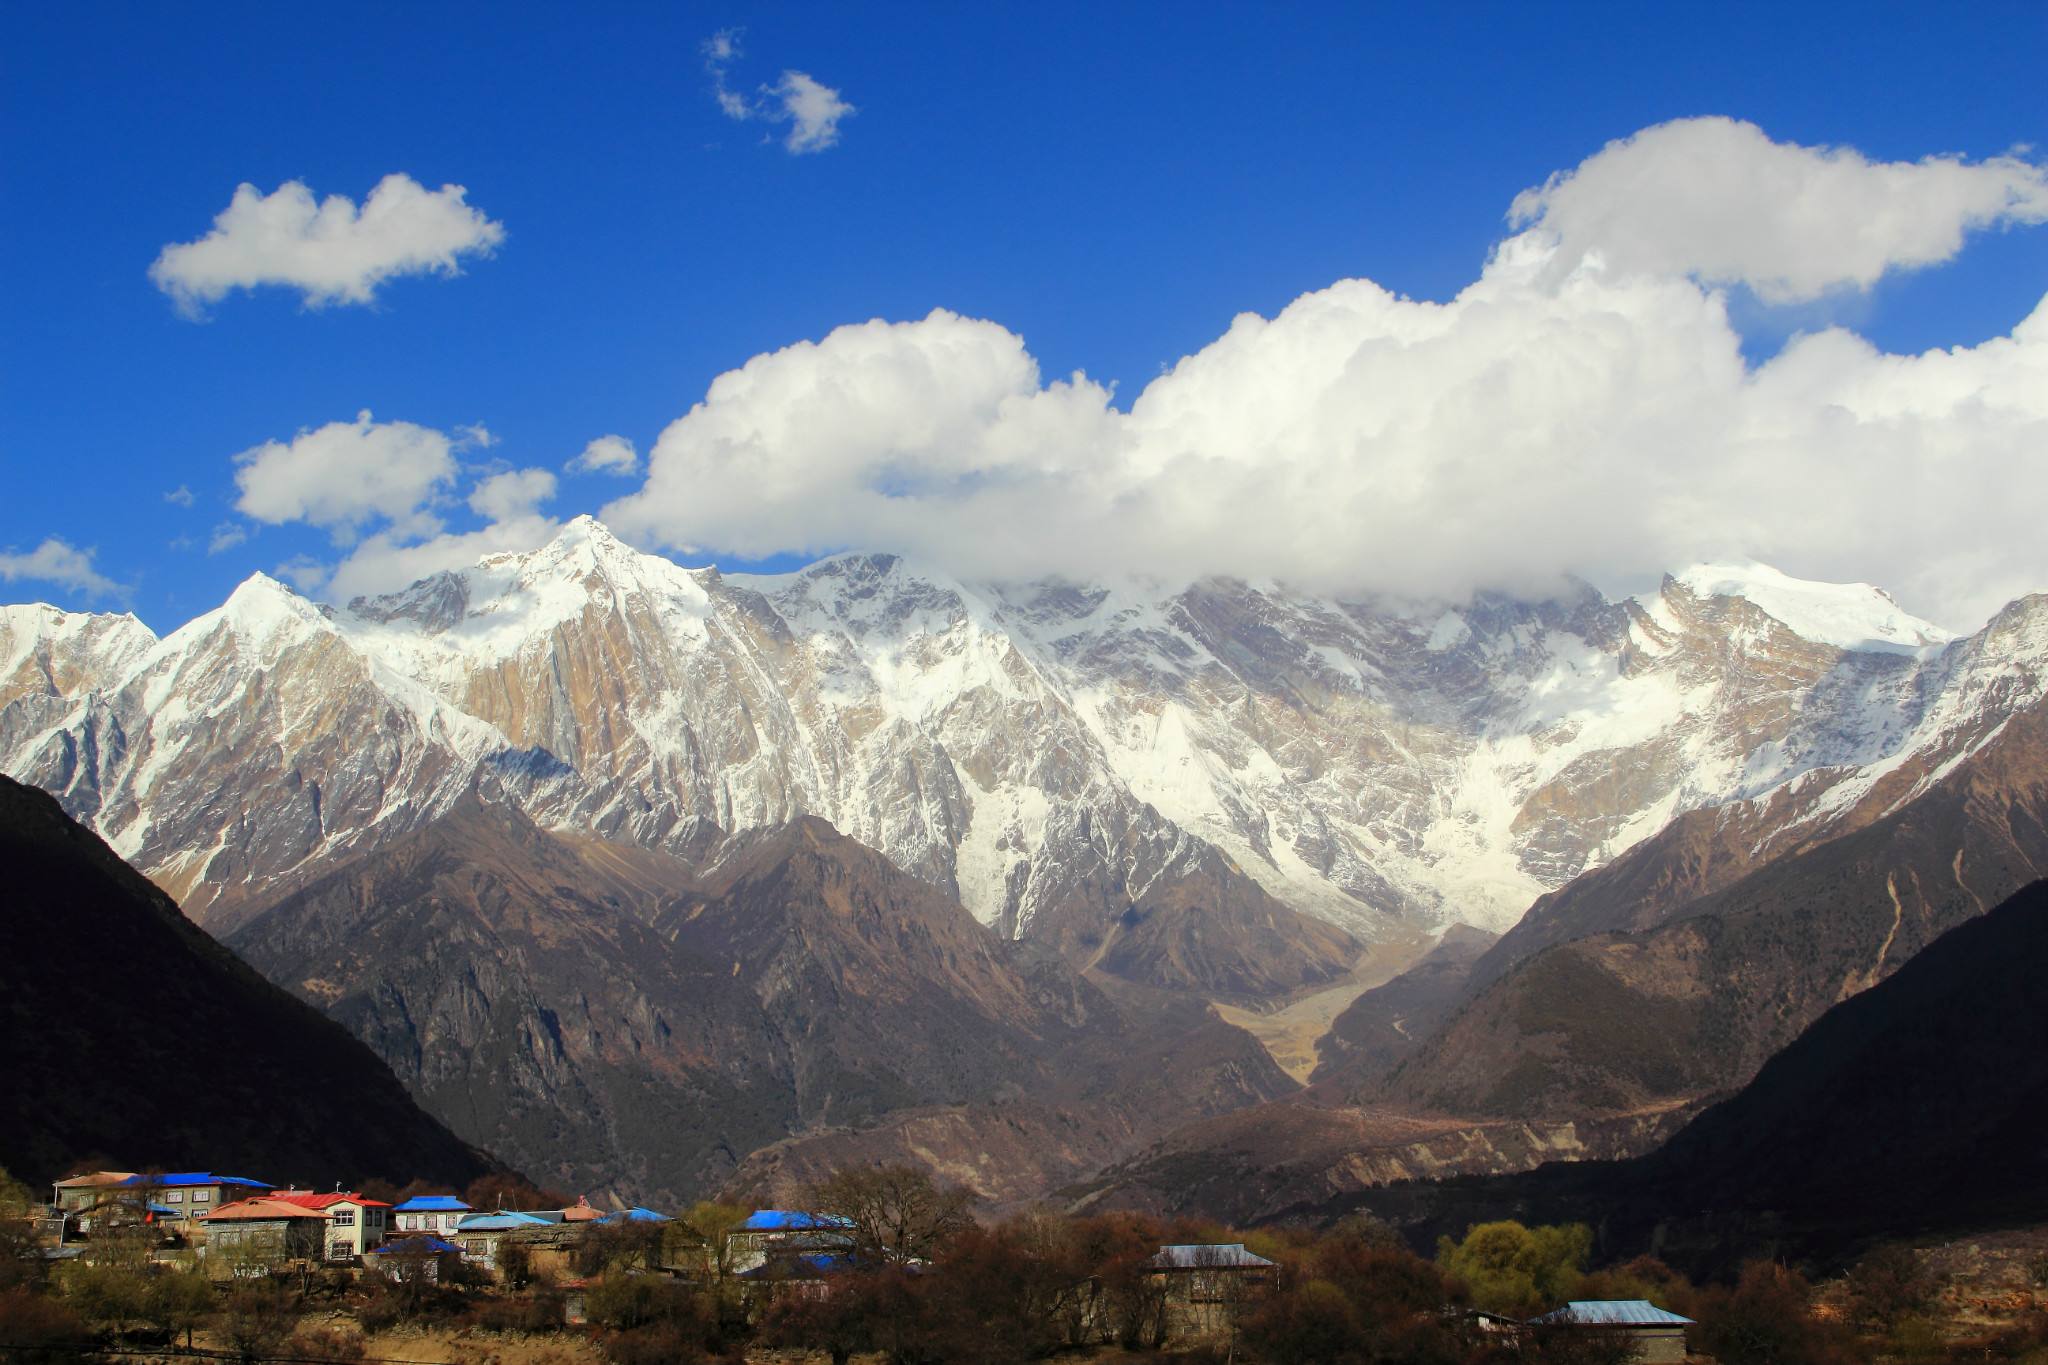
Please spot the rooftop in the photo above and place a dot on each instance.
(432, 1203)
(174, 1180)
(504, 1220)
(259, 1208)
(314, 1200)
(422, 1245)
(1614, 1313)
(1209, 1256)
(786, 1220)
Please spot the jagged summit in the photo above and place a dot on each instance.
(1849, 615)
(1030, 748)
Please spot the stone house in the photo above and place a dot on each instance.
(257, 1234)
(780, 1233)
(1659, 1336)
(1207, 1284)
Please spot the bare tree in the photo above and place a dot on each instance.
(896, 1214)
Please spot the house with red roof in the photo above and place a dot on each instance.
(252, 1235)
(355, 1222)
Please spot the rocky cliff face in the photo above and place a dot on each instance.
(1121, 770)
(620, 1020)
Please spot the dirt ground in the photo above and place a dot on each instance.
(1289, 1033)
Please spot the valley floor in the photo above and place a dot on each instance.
(1290, 1030)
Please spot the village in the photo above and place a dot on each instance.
(782, 1276)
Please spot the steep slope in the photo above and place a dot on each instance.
(620, 1019)
(130, 1036)
(1618, 1023)
(1382, 1026)
(1604, 1045)
(1915, 1109)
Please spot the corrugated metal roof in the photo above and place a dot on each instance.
(636, 1214)
(432, 1203)
(312, 1200)
(258, 1208)
(187, 1179)
(1208, 1256)
(504, 1220)
(785, 1220)
(1614, 1313)
(416, 1246)
(814, 1266)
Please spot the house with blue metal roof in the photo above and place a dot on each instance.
(192, 1194)
(423, 1257)
(1659, 1336)
(777, 1233)
(429, 1213)
(636, 1214)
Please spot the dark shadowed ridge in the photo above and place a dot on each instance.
(129, 1036)
(1918, 1108)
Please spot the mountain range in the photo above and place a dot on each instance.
(510, 823)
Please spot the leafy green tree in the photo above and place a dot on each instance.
(1514, 1269)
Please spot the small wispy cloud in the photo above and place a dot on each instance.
(606, 455)
(181, 496)
(812, 110)
(55, 561)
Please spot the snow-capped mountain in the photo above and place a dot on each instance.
(1055, 754)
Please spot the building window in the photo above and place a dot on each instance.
(174, 1197)
(344, 1218)
(201, 1196)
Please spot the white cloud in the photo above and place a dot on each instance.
(379, 488)
(346, 474)
(304, 572)
(181, 496)
(226, 536)
(385, 562)
(1717, 199)
(55, 561)
(327, 250)
(512, 494)
(1547, 421)
(606, 455)
(812, 109)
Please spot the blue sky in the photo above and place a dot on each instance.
(1112, 184)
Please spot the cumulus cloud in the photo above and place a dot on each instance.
(812, 109)
(379, 489)
(511, 494)
(226, 536)
(326, 249)
(1717, 199)
(55, 561)
(606, 455)
(385, 562)
(343, 475)
(181, 496)
(1557, 417)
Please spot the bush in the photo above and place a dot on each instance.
(524, 1313)
(326, 1344)
(42, 1330)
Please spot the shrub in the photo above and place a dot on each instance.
(42, 1330)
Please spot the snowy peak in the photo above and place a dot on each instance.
(1845, 615)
